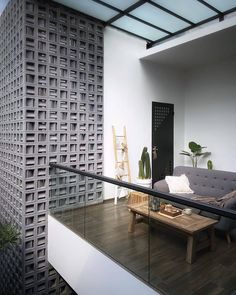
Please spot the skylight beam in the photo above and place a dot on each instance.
(152, 43)
(130, 33)
(153, 20)
(210, 7)
(129, 9)
(170, 12)
(149, 24)
(107, 5)
(126, 11)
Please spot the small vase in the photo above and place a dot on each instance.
(154, 203)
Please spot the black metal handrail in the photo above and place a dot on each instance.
(173, 198)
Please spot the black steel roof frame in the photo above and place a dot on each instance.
(107, 5)
(132, 34)
(221, 18)
(151, 43)
(210, 6)
(126, 11)
(133, 7)
(149, 24)
(170, 12)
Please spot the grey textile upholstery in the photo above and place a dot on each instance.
(206, 182)
(161, 186)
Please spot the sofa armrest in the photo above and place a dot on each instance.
(226, 224)
(161, 186)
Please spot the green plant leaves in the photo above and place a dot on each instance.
(8, 236)
(185, 153)
(144, 165)
(194, 147)
(209, 165)
(196, 152)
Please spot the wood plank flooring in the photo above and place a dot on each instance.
(106, 226)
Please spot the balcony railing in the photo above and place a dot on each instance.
(171, 251)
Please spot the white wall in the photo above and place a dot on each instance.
(87, 270)
(129, 89)
(210, 112)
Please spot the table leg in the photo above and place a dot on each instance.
(191, 249)
(228, 238)
(212, 238)
(132, 222)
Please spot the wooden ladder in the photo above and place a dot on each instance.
(122, 167)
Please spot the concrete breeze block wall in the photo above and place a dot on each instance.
(51, 111)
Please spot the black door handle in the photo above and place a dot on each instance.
(154, 152)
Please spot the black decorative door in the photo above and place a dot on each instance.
(162, 140)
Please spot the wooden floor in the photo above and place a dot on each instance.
(106, 226)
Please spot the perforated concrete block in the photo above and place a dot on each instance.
(51, 111)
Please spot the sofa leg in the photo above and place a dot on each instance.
(228, 238)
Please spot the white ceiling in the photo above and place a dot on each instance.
(209, 49)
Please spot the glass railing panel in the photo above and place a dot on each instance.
(67, 199)
(188, 255)
(110, 227)
(176, 251)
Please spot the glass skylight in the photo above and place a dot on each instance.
(222, 5)
(121, 4)
(159, 18)
(152, 20)
(170, 16)
(189, 9)
(138, 28)
(91, 8)
(3, 4)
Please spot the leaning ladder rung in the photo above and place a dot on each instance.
(119, 149)
(120, 144)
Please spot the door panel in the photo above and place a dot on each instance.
(162, 140)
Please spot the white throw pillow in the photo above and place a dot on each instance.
(178, 184)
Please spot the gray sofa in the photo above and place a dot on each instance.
(204, 182)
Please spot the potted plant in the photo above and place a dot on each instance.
(196, 152)
(144, 174)
(209, 165)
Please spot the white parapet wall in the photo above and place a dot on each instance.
(87, 270)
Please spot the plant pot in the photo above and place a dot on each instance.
(144, 182)
(154, 202)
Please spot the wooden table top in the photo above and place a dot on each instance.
(187, 223)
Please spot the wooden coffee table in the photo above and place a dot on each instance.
(189, 225)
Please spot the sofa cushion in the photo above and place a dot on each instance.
(161, 186)
(206, 182)
(178, 184)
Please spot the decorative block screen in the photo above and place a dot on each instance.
(51, 111)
